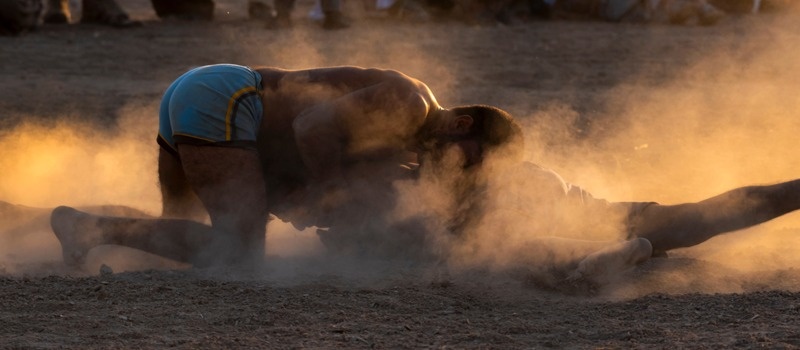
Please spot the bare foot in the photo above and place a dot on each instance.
(603, 266)
(77, 233)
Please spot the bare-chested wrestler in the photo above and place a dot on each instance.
(268, 134)
(247, 142)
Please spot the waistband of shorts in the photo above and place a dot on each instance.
(252, 145)
(196, 141)
(259, 81)
(165, 145)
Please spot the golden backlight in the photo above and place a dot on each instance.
(729, 117)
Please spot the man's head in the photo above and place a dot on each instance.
(479, 131)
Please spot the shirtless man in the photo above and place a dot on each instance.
(274, 141)
(238, 143)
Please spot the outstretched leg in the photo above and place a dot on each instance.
(685, 225)
(230, 184)
(79, 232)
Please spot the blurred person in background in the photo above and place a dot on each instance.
(19, 16)
(106, 12)
(645, 11)
(281, 17)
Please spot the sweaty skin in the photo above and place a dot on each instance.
(324, 128)
(319, 127)
(318, 123)
(340, 115)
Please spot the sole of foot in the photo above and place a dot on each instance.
(73, 229)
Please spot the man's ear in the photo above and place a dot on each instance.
(462, 123)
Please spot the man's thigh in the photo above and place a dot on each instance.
(178, 200)
(230, 184)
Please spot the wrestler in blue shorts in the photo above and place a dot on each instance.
(217, 104)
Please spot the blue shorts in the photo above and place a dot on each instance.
(216, 105)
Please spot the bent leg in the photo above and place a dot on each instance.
(604, 265)
(230, 184)
(178, 200)
(79, 232)
(685, 225)
(566, 264)
(559, 251)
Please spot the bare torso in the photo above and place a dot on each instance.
(289, 94)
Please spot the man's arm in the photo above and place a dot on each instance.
(372, 123)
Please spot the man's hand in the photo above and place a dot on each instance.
(294, 209)
(381, 172)
(320, 204)
(313, 205)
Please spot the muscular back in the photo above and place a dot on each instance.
(373, 114)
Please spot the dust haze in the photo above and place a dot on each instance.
(727, 119)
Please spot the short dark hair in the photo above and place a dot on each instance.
(495, 128)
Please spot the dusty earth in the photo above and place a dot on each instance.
(602, 101)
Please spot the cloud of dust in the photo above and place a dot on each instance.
(73, 163)
(76, 163)
(723, 121)
(726, 120)
(307, 46)
(81, 164)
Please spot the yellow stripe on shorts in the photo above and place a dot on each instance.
(231, 104)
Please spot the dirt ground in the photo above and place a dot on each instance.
(630, 112)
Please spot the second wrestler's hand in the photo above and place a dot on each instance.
(299, 217)
(296, 209)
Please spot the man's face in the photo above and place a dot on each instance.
(473, 153)
(452, 137)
